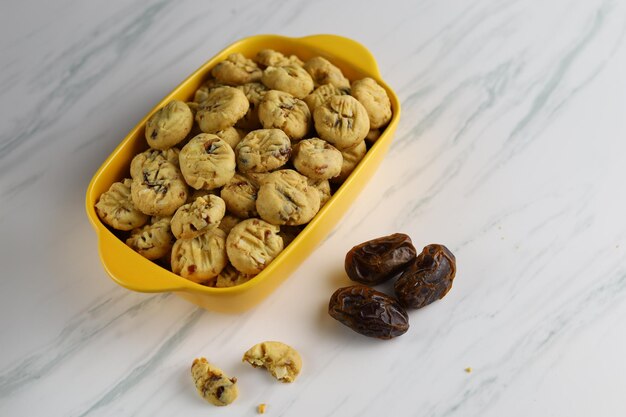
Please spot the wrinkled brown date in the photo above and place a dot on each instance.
(428, 278)
(369, 312)
(379, 260)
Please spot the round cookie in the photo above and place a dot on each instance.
(342, 121)
(323, 72)
(207, 162)
(152, 155)
(194, 219)
(280, 110)
(321, 94)
(201, 258)
(115, 207)
(291, 79)
(169, 125)
(221, 109)
(263, 150)
(236, 70)
(229, 277)
(375, 100)
(317, 159)
(285, 197)
(323, 188)
(154, 240)
(272, 58)
(252, 244)
(160, 189)
(254, 92)
(351, 157)
(240, 196)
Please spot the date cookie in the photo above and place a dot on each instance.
(263, 150)
(321, 94)
(169, 125)
(221, 109)
(323, 72)
(272, 58)
(252, 244)
(285, 197)
(202, 258)
(317, 159)
(150, 156)
(342, 121)
(291, 79)
(212, 384)
(375, 100)
(236, 70)
(281, 360)
(160, 189)
(280, 110)
(254, 92)
(207, 162)
(229, 277)
(351, 158)
(154, 240)
(115, 207)
(240, 196)
(194, 219)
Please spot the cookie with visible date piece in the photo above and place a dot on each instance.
(285, 197)
(207, 162)
(212, 384)
(115, 207)
(342, 121)
(169, 125)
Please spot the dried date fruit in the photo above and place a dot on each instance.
(428, 278)
(380, 260)
(369, 312)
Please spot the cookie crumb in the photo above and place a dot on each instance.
(468, 369)
(261, 408)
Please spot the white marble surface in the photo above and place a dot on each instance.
(510, 151)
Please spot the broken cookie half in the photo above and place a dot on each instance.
(212, 384)
(281, 360)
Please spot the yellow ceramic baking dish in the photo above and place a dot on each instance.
(131, 270)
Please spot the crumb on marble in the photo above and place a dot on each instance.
(261, 408)
(468, 369)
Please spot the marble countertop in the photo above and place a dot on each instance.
(510, 151)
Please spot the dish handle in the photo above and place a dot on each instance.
(351, 50)
(138, 272)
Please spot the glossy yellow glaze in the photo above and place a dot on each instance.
(134, 272)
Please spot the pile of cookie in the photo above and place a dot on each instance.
(231, 177)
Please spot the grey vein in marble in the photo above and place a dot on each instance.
(144, 369)
(76, 335)
(542, 110)
(78, 78)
